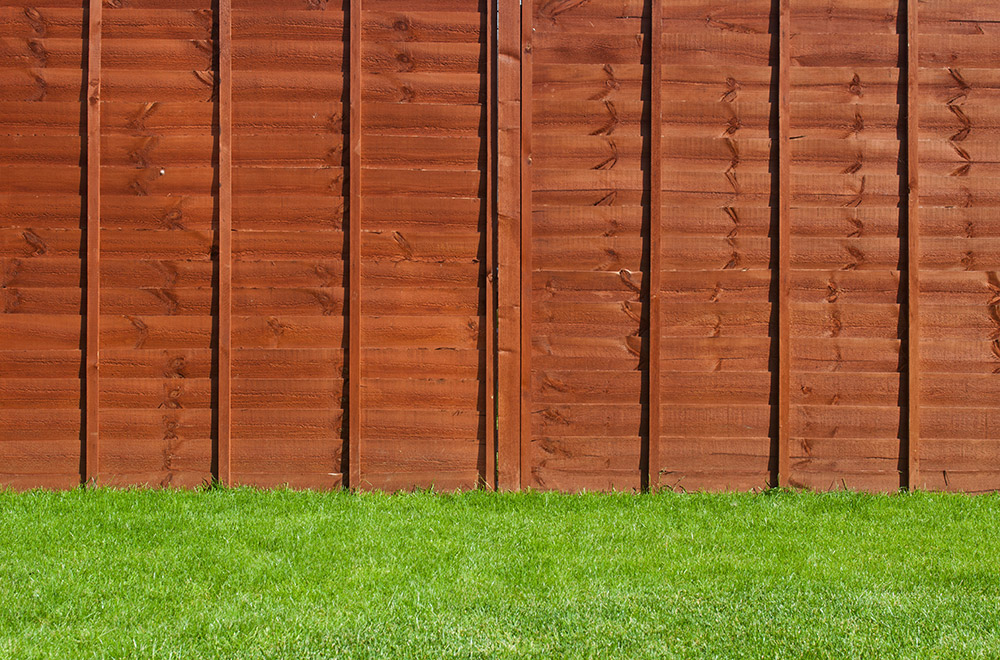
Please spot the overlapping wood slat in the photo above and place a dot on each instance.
(820, 321)
(848, 292)
(719, 222)
(735, 244)
(959, 291)
(43, 211)
(223, 170)
(289, 247)
(423, 243)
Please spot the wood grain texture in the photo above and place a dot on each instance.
(490, 175)
(508, 244)
(718, 265)
(654, 332)
(354, 415)
(157, 268)
(842, 174)
(422, 211)
(586, 212)
(225, 284)
(956, 321)
(709, 255)
(913, 370)
(92, 451)
(784, 241)
(525, 261)
(290, 249)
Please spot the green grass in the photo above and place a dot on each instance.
(249, 574)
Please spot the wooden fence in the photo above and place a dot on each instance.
(561, 245)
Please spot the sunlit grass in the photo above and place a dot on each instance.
(280, 574)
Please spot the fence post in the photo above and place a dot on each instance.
(784, 240)
(489, 404)
(354, 254)
(225, 239)
(508, 244)
(913, 245)
(655, 248)
(526, 265)
(92, 464)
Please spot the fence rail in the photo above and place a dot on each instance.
(561, 245)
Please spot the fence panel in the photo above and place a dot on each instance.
(288, 243)
(957, 64)
(43, 128)
(424, 223)
(157, 242)
(584, 208)
(809, 334)
(847, 254)
(559, 244)
(215, 207)
(719, 221)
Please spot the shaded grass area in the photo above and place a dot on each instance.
(250, 574)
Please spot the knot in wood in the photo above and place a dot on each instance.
(405, 62)
(176, 367)
(855, 86)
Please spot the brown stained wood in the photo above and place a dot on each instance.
(288, 475)
(299, 462)
(489, 226)
(593, 386)
(589, 194)
(425, 211)
(156, 393)
(40, 393)
(525, 214)
(42, 364)
(426, 57)
(420, 25)
(569, 181)
(395, 479)
(225, 283)
(354, 413)
(784, 242)
(425, 394)
(93, 316)
(913, 253)
(430, 363)
(508, 245)
(419, 426)
(653, 466)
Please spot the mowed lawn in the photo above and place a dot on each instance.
(249, 574)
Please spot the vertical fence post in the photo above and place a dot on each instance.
(784, 239)
(490, 468)
(225, 238)
(913, 244)
(354, 246)
(508, 245)
(655, 232)
(526, 75)
(91, 450)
